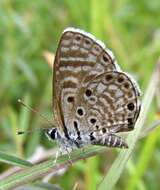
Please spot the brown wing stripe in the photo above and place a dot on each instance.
(76, 63)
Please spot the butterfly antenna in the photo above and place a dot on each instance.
(34, 111)
(24, 132)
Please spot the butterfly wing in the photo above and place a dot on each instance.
(79, 56)
(112, 102)
(108, 104)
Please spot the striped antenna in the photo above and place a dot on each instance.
(36, 112)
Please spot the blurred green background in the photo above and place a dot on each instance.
(27, 29)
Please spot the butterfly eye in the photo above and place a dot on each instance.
(53, 133)
(130, 106)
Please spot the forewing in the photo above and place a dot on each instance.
(79, 58)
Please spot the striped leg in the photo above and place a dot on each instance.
(110, 140)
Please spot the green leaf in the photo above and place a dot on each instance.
(9, 159)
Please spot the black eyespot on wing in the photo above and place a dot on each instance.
(77, 130)
(108, 77)
(88, 92)
(130, 121)
(120, 79)
(97, 126)
(80, 111)
(126, 85)
(92, 138)
(130, 106)
(75, 124)
(93, 120)
(104, 130)
(70, 99)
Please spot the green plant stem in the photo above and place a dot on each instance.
(39, 170)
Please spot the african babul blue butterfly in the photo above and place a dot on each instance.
(93, 100)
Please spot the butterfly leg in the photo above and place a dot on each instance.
(56, 157)
(69, 156)
(110, 140)
(60, 151)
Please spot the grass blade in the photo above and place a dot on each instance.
(119, 164)
(13, 160)
(144, 158)
(29, 174)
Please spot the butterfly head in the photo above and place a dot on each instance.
(52, 133)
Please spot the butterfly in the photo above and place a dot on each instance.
(93, 100)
